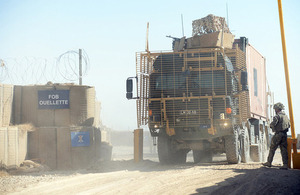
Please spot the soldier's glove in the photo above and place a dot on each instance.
(273, 129)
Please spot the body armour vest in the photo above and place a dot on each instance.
(283, 122)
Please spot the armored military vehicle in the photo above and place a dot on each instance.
(208, 95)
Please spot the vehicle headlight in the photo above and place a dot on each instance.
(222, 116)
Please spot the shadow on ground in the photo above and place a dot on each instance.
(257, 181)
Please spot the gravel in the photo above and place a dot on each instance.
(11, 183)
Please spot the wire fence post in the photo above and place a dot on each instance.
(80, 66)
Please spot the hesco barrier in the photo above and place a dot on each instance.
(97, 120)
(65, 147)
(13, 146)
(6, 102)
(66, 118)
(54, 105)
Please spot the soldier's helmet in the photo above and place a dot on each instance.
(279, 106)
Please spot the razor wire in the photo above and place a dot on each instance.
(67, 65)
(33, 70)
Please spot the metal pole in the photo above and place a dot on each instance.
(147, 37)
(286, 70)
(138, 145)
(80, 66)
(227, 14)
(182, 25)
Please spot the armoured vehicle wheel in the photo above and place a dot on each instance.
(202, 156)
(164, 147)
(265, 148)
(256, 152)
(179, 156)
(232, 147)
(245, 145)
(166, 153)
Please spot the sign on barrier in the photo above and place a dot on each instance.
(81, 138)
(53, 99)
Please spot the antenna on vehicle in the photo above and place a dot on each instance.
(147, 35)
(182, 25)
(222, 37)
(227, 14)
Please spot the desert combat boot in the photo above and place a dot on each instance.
(285, 167)
(267, 164)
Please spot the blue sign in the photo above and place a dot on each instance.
(81, 138)
(54, 99)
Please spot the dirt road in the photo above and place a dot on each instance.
(149, 177)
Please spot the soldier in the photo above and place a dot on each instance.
(280, 125)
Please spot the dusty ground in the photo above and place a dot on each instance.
(149, 177)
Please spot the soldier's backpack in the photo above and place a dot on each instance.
(285, 123)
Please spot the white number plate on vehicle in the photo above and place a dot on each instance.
(188, 112)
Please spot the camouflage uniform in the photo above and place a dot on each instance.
(280, 126)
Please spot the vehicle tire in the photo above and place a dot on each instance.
(201, 156)
(232, 147)
(256, 152)
(179, 157)
(164, 148)
(166, 153)
(245, 145)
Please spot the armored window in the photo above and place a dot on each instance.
(207, 80)
(255, 80)
(169, 81)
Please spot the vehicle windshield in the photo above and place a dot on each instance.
(169, 81)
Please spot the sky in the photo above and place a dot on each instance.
(34, 33)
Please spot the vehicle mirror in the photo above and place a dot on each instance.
(129, 85)
(129, 88)
(129, 95)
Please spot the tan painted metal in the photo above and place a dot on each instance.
(293, 141)
(138, 145)
(286, 70)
